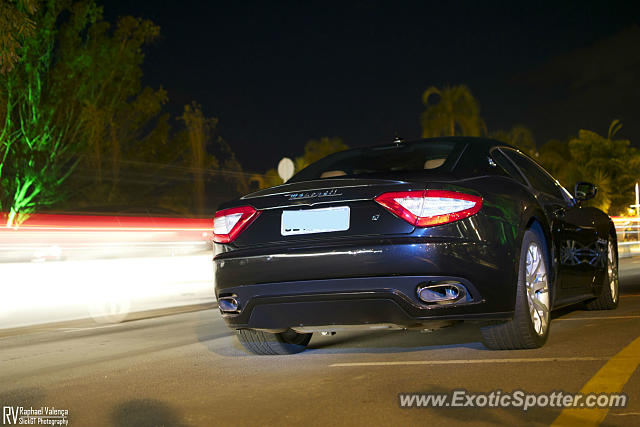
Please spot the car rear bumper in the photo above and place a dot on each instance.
(364, 284)
(355, 301)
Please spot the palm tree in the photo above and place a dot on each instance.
(456, 113)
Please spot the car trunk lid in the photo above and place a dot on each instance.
(345, 206)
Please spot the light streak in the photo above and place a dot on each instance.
(65, 267)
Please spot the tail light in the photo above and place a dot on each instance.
(430, 207)
(229, 223)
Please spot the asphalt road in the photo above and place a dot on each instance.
(188, 370)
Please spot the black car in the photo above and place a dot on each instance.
(412, 235)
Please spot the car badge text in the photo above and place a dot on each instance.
(312, 194)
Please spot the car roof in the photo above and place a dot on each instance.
(476, 140)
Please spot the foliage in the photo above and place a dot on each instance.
(455, 113)
(199, 132)
(269, 179)
(612, 164)
(314, 150)
(599, 158)
(98, 75)
(205, 162)
(520, 137)
(78, 129)
(609, 163)
(73, 96)
(35, 156)
(15, 25)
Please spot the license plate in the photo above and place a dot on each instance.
(315, 221)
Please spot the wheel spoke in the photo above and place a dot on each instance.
(537, 289)
(540, 306)
(533, 264)
(540, 285)
(612, 270)
(542, 316)
(534, 317)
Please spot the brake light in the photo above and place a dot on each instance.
(229, 223)
(430, 207)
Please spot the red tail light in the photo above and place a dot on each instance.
(430, 207)
(229, 223)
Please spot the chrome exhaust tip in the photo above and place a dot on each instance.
(446, 292)
(228, 304)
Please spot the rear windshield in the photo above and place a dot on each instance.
(423, 156)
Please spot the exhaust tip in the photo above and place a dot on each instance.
(446, 292)
(228, 305)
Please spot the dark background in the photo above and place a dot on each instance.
(277, 74)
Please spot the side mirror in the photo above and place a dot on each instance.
(584, 191)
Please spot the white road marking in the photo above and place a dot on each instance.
(88, 329)
(471, 361)
(598, 318)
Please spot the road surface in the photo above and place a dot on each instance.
(188, 370)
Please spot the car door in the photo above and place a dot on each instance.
(574, 233)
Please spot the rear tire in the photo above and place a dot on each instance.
(265, 343)
(529, 327)
(610, 296)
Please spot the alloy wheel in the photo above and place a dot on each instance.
(537, 289)
(612, 272)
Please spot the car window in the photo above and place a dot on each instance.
(539, 179)
(506, 164)
(424, 156)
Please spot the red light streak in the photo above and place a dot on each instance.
(110, 223)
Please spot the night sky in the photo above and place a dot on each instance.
(277, 74)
